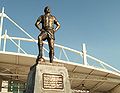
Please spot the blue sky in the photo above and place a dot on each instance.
(93, 22)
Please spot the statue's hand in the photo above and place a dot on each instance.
(54, 30)
(42, 30)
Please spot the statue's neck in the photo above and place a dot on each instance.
(47, 14)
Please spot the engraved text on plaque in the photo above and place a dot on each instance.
(52, 81)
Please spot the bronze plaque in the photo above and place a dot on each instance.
(52, 81)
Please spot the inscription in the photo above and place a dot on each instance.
(52, 81)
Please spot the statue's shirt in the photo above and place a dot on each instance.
(47, 21)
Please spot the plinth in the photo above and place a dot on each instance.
(49, 78)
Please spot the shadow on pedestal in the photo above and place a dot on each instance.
(31, 79)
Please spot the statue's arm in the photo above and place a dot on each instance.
(57, 24)
(37, 23)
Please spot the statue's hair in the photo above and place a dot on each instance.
(47, 7)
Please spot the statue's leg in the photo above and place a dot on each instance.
(40, 46)
(51, 48)
(41, 38)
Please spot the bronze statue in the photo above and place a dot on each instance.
(47, 32)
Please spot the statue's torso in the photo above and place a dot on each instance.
(47, 22)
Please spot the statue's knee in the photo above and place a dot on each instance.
(52, 51)
(40, 38)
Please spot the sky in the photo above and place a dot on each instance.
(93, 22)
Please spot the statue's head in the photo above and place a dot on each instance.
(47, 10)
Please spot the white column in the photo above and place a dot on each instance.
(4, 46)
(84, 54)
(19, 46)
(1, 25)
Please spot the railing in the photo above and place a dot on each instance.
(63, 54)
(62, 50)
(28, 46)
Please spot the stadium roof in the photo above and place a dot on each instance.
(16, 67)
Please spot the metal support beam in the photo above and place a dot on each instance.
(20, 28)
(79, 76)
(101, 62)
(16, 44)
(84, 54)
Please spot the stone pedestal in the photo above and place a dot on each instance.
(49, 78)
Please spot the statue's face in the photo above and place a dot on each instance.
(47, 10)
